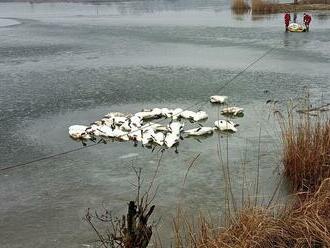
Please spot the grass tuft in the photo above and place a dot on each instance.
(240, 7)
(306, 153)
(263, 7)
(255, 227)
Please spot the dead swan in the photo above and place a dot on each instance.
(218, 99)
(200, 131)
(175, 127)
(149, 113)
(195, 116)
(111, 132)
(171, 139)
(224, 125)
(171, 113)
(157, 127)
(147, 136)
(232, 111)
(187, 114)
(200, 115)
(158, 138)
(115, 114)
(79, 132)
(134, 121)
(174, 134)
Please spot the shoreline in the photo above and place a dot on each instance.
(268, 7)
(290, 7)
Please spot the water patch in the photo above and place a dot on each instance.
(8, 22)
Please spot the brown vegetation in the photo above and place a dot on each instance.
(300, 7)
(306, 153)
(263, 7)
(305, 223)
(305, 226)
(239, 7)
(314, 2)
(133, 229)
(272, 6)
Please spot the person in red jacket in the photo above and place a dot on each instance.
(307, 21)
(287, 19)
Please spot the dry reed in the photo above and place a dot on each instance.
(256, 227)
(263, 7)
(273, 6)
(240, 7)
(306, 152)
(314, 2)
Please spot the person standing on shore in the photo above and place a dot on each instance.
(287, 19)
(307, 21)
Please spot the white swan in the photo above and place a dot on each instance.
(147, 136)
(115, 114)
(118, 120)
(218, 99)
(200, 131)
(135, 134)
(120, 134)
(171, 139)
(104, 121)
(155, 111)
(158, 138)
(187, 114)
(110, 132)
(126, 126)
(93, 129)
(232, 111)
(171, 113)
(224, 125)
(157, 127)
(105, 131)
(98, 123)
(166, 112)
(136, 121)
(176, 113)
(176, 127)
(149, 113)
(79, 132)
(200, 115)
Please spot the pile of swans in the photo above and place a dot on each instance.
(139, 127)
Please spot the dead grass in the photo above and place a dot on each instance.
(314, 2)
(273, 6)
(306, 153)
(304, 223)
(264, 7)
(304, 226)
(240, 7)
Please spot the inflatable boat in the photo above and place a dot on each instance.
(296, 27)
